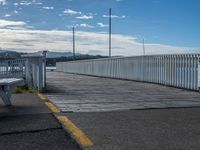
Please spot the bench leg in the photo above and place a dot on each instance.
(5, 93)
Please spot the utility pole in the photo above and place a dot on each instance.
(73, 43)
(143, 47)
(110, 17)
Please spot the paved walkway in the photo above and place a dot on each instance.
(113, 115)
(156, 129)
(78, 93)
(29, 125)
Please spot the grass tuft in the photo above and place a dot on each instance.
(19, 90)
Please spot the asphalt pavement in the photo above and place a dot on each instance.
(29, 124)
(151, 129)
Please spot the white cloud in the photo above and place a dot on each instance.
(85, 25)
(15, 4)
(48, 8)
(101, 25)
(92, 14)
(86, 42)
(16, 12)
(5, 23)
(26, 3)
(7, 15)
(84, 17)
(115, 16)
(71, 12)
(2, 2)
(71, 26)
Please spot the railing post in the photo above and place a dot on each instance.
(28, 72)
(7, 70)
(198, 75)
(44, 68)
(40, 73)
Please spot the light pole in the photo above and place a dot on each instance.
(143, 47)
(73, 43)
(110, 17)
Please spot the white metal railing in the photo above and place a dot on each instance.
(31, 68)
(174, 70)
(12, 68)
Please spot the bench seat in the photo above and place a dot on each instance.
(6, 87)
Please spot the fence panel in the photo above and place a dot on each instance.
(32, 70)
(181, 71)
(12, 68)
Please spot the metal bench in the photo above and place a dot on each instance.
(6, 87)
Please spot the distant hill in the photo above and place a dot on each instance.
(51, 54)
(52, 57)
(52, 61)
(9, 54)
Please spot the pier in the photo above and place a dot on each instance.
(115, 103)
(124, 114)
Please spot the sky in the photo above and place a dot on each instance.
(166, 26)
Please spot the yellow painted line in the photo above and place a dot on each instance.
(79, 136)
(41, 96)
(49, 104)
(52, 107)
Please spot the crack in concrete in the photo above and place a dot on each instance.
(30, 131)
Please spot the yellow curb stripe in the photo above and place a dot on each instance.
(79, 136)
(41, 96)
(49, 104)
(52, 107)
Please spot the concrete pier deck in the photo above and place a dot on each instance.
(78, 93)
(119, 114)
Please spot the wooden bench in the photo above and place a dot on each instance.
(6, 87)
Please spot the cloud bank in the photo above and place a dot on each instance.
(6, 23)
(86, 42)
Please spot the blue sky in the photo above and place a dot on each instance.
(164, 24)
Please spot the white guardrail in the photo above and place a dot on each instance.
(31, 68)
(181, 71)
(12, 68)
